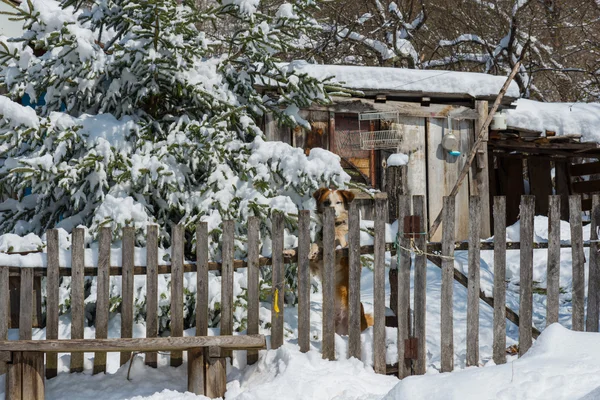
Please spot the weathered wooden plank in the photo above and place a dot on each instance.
(510, 176)
(403, 306)
(594, 270)
(328, 341)
(152, 290)
(77, 294)
(540, 183)
(499, 345)
(202, 279)
(14, 303)
(379, 341)
(354, 343)
(420, 286)
(562, 183)
(447, 323)
(553, 268)
(578, 263)
(474, 282)
(228, 251)
(278, 285)
(33, 376)
(196, 371)
(14, 378)
(586, 186)
(26, 314)
(253, 282)
(414, 144)
(103, 295)
(526, 274)
(215, 375)
(127, 277)
(178, 243)
(396, 185)
(592, 168)
(481, 173)
(4, 310)
(52, 299)
(136, 344)
(304, 284)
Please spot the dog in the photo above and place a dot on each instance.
(339, 200)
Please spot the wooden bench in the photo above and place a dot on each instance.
(206, 366)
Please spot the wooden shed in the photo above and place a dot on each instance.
(427, 106)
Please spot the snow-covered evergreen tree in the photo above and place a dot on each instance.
(141, 121)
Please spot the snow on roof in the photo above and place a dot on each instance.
(563, 118)
(409, 80)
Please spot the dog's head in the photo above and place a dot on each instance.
(336, 199)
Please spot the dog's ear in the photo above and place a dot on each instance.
(347, 195)
(317, 195)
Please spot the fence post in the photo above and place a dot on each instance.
(151, 290)
(553, 269)
(594, 274)
(473, 289)
(278, 278)
(202, 279)
(77, 296)
(4, 310)
(354, 344)
(396, 186)
(328, 345)
(403, 301)
(52, 290)
(253, 282)
(578, 262)
(303, 281)
(228, 252)
(499, 280)
(103, 295)
(526, 274)
(420, 287)
(447, 323)
(379, 347)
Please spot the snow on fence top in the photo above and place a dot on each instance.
(563, 118)
(409, 80)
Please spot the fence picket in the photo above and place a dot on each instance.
(591, 324)
(328, 345)
(177, 246)
(447, 322)
(152, 291)
(127, 258)
(578, 262)
(553, 271)
(379, 342)
(403, 307)
(77, 295)
(499, 345)
(278, 285)
(253, 282)
(4, 310)
(202, 279)
(26, 310)
(52, 299)
(354, 267)
(526, 274)
(474, 283)
(304, 281)
(420, 287)
(103, 295)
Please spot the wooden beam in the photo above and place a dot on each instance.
(585, 169)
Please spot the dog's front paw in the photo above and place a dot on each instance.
(289, 253)
(314, 252)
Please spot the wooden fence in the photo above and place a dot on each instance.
(411, 242)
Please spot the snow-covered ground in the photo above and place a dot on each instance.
(288, 374)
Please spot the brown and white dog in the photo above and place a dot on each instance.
(338, 200)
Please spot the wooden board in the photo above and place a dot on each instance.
(52, 299)
(77, 294)
(328, 343)
(472, 358)
(379, 339)
(152, 290)
(593, 305)
(562, 187)
(228, 252)
(553, 269)
(196, 371)
(413, 144)
(127, 288)
(278, 282)
(304, 285)
(177, 299)
(499, 339)
(253, 282)
(442, 173)
(420, 286)
(446, 311)
(578, 294)
(510, 179)
(540, 183)
(26, 312)
(403, 306)
(354, 342)
(481, 172)
(33, 376)
(585, 169)
(4, 310)
(202, 279)
(103, 295)
(586, 186)
(526, 274)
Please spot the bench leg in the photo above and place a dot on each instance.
(14, 377)
(216, 374)
(196, 371)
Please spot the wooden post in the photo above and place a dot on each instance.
(578, 262)
(253, 282)
(14, 378)
(278, 284)
(447, 323)
(26, 314)
(473, 289)
(396, 185)
(103, 296)
(354, 344)
(4, 310)
(379, 339)
(594, 277)
(215, 382)
(328, 345)
(228, 253)
(52, 290)
(77, 295)
(196, 371)
(202, 279)
(499, 346)
(304, 285)
(553, 274)
(127, 258)
(32, 378)
(526, 274)
(481, 170)
(152, 290)
(177, 256)
(420, 288)
(403, 301)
